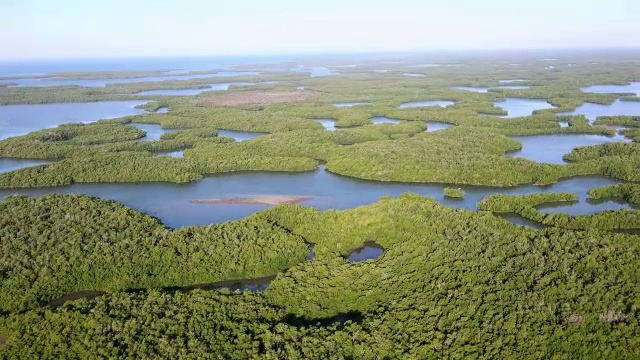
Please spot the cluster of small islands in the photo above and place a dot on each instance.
(464, 206)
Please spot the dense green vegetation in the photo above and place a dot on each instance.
(57, 244)
(524, 205)
(453, 192)
(627, 192)
(451, 283)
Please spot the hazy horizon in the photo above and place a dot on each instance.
(74, 29)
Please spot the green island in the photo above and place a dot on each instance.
(215, 216)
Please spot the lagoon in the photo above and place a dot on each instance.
(16, 120)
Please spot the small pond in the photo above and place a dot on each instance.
(384, 120)
(239, 135)
(437, 125)
(329, 124)
(369, 251)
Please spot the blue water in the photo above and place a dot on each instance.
(154, 131)
(384, 120)
(551, 148)
(370, 251)
(329, 124)
(412, 104)
(171, 202)
(517, 107)
(349, 104)
(592, 111)
(18, 120)
(239, 135)
(437, 125)
(633, 87)
(7, 165)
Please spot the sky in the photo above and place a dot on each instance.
(59, 29)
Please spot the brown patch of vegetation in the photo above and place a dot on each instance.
(3, 339)
(256, 200)
(614, 317)
(257, 98)
(575, 318)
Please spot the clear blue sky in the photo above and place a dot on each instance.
(115, 28)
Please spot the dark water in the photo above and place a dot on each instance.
(384, 120)
(634, 87)
(18, 120)
(15, 164)
(437, 125)
(42, 82)
(412, 104)
(369, 251)
(592, 111)
(239, 135)
(349, 104)
(517, 107)
(154, 131)
(329, 124)
(551, 148)
(171, 202)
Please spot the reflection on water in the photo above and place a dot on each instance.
(619, 107)
(239, 135)
(551, 148)
(171, 202)
(517, 107)
(412, 104)
(7, 165)
(384, 120)
(633, 87)
(329, 124)
(18, 120)
(437, 125)
(369, 251)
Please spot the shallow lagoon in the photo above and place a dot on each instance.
(154, 131)
(239, 135)
(412, 104)
(592, 111)
(551, 148)
(171, 202)
(18, 120)
(633, 87)
(517, 107)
